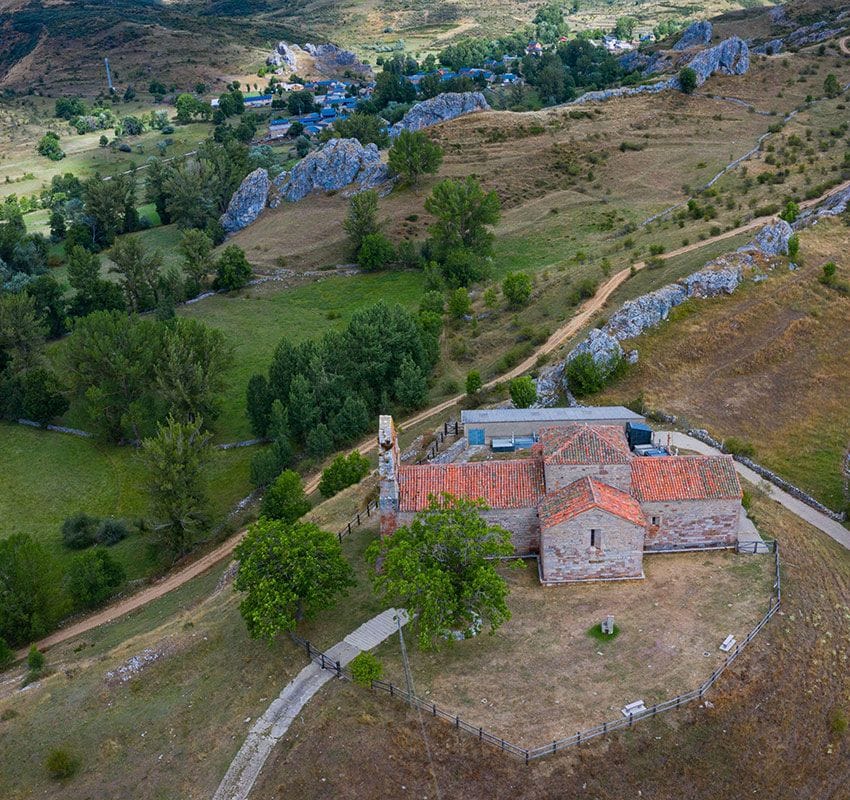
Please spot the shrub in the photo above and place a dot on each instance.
(791, 212)
(285, 500)
(473, 382)
(793, 246)
(517, 289)
(583, 290)
(523, 391)
(344, 471)
(838, 722)
(111, 531)
(48, 146)
(585, 376)
(739, 447)
(93, 578)
(61, 765)
(79, 531)
(375, 253)
(434, 302)
(232, 270)
(459, 303)
(687, 80)
(366, 668)
(35, 660)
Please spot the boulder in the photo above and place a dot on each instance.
(340, 163)
(697, 34)
(730, 57)
(712, 281)
(834, 205)
(284, 55)
(772, 239)
(439, 109)
(645, 311)
(248, 201)
(604, 348)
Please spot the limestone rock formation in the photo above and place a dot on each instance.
(713, 280)
(439, 109)
(772, 239)
(340, 163)
(695, 35)
(834, 205)
(730, 57)
(248, 201)
(284, 55)
(603, 348)
(812, 34)
(645, 311)
(771, 48)
(333, 60)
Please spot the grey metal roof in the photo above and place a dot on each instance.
(577, 414)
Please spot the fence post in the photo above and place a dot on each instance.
(631, 717)
(338, 670)
(457, 721)
(391, 691)
(554, 746)
(349, 529)
(368, 512)
(526, 758)
(307, 648)
(480, 734)
(323, 660)
(578, 738)
(339, 535)
(434, 709)
(678, 698)
(358, 517)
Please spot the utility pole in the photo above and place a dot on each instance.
(109, 76)
(408, 677)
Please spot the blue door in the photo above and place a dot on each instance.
(476, 435)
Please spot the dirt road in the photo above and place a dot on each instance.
(561, 335)
(844, 44)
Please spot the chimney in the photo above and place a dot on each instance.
(388, 465)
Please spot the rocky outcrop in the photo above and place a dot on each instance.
(645, 311)
(771, 48)
(730, 57)
(603, 348)
(834, 205)
(713, 280)
(772, 239)
(333, 60)
(439, 109)
(248, 201)
(812, 34)
(697, 34)
(284, 56)
(339, 164)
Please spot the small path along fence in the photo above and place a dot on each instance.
(528, 754)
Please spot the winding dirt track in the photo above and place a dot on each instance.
(844, 44)
(176, 579)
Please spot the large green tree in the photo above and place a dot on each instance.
(362, 219)
(93, 577)
(285, 498)
(463, 210)
(176, 457)
(30, 603)
(413, 154)
(441, 569)
(138, 272)
(288, 573)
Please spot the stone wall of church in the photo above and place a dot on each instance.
(691, 523)
(566, 552)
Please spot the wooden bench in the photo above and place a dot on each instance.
(728, 643)
(638, 707)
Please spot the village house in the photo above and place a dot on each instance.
(585, 502)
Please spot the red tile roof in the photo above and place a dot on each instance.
(500, 484)
(586, 494)
(685, 478)
(585, 444)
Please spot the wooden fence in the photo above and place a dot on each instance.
(528, 754)
(449, 429)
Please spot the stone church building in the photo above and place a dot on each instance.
(583, 502)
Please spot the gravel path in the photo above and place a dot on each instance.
(820, 521)
(269, 728)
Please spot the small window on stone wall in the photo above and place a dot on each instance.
(595, 538)
(656, 521)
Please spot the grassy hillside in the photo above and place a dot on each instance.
(768, 365)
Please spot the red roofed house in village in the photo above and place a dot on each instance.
(586, 505)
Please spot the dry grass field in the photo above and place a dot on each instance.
(542, 677)
(768, 365)
(777, 725)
